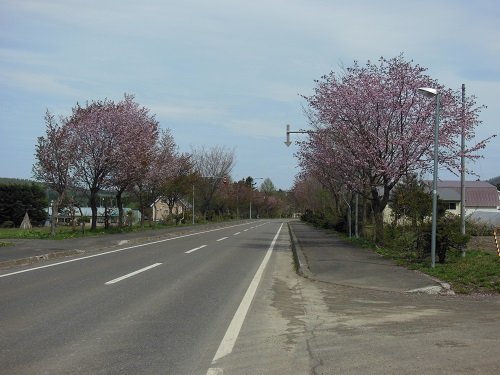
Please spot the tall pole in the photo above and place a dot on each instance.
(356, 229)
(193, 204)
(462, 171)
(434, 185)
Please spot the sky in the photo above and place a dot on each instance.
(230, 72)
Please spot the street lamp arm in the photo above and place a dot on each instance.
(288, 132)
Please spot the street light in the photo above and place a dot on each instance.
(433, 93)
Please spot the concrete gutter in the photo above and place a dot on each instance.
(298, 255)
(302, 268)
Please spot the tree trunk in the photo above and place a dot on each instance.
(93, 207)
(55, 215)
(379, 225)
(378, 205)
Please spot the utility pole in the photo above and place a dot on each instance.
(193, 204)
(462, 171)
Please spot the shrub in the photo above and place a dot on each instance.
(478, 228)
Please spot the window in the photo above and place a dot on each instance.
(452, 206)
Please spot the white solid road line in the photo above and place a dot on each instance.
(196, 248)
(222, 239)
(227, 344)
(118, 250)
(132, 274)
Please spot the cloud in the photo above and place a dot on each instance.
(36, 82)
(186, 111)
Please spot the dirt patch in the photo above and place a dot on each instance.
(485, 243)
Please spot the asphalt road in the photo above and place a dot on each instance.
(159, 308)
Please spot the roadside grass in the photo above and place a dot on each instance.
(477, 272)
(67, 232)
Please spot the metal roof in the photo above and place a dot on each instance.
(477, 193)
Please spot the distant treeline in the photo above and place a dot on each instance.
(495, 181)
(79, 196)
(18, 181)
(17, 199)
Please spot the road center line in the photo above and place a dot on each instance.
(193, 250)
(222, 239)
(236, 233)
(132, 274)
(118, 250)
(227, 344)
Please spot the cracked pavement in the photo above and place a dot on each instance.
(300, 325)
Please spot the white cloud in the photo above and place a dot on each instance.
(186, 111)
(36, 82)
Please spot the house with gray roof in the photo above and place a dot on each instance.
(482, 200)
(479, 196)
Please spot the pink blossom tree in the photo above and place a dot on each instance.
(372, 127)
(95, 131)
(53, 162)
(163, 166)
(135, 150)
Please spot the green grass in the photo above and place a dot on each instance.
(477, 272)
(66, 232)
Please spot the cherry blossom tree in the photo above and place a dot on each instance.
(108, 145)
(53, 162)
(164, 165)
(135, 150)
(372, 127)
(95, 131)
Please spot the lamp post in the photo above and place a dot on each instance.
(433, 93)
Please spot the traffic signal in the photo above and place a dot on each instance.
(224, 180)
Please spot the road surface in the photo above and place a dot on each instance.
(162, 307)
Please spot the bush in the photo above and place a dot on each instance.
(325, 221)
(478, 228)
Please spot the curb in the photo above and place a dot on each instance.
(40, 258)
(443, 288)
(298, 255)
(302, 269)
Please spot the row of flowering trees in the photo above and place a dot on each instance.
(119, 147)
(107, 145)
(371, 128)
